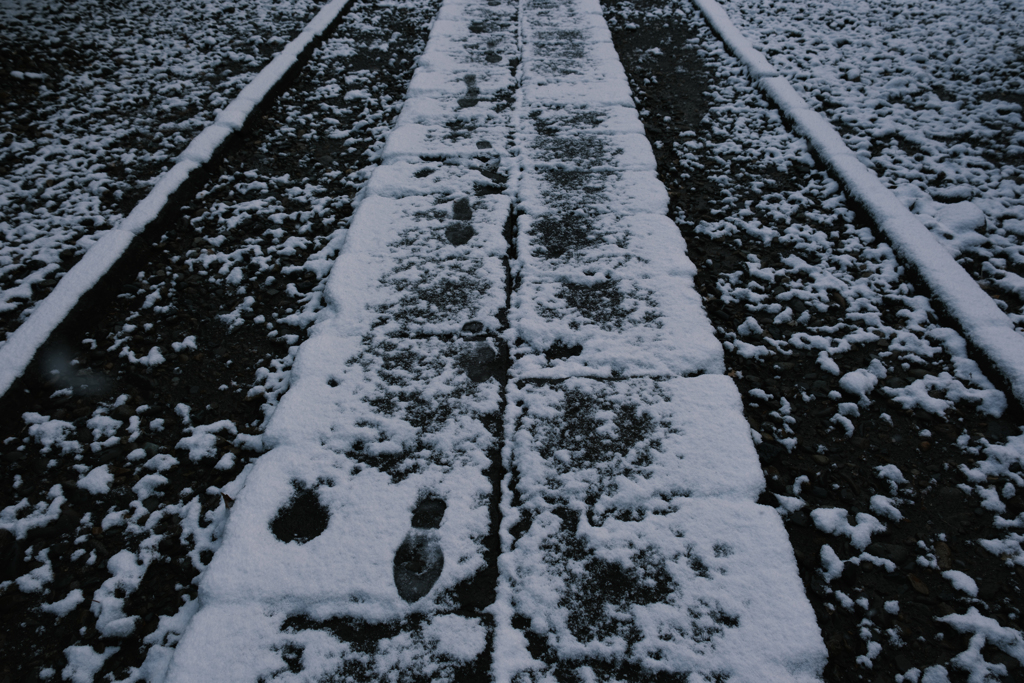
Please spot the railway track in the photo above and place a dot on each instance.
(472, 181)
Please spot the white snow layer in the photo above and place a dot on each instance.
(629, 532)
(983, 322)
(22, 345)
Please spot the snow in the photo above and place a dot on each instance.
(202, 440)
(884, 507)
(36, 580)
(20, 517)
(860, 382)
(97, 481)
(63, 607)
(834, 521)
(84, 662)
(831, 564)
(457, 637)
(983, 630)
(962, 582)
(48, 433)
(126, 574)
(892, 474)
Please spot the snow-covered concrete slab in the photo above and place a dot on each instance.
(480, 57)
(382, 452)
(470, 177)
(632, 548)
(243, 643)
(548, 28)
(479, 84)
(421, 265)
(588, 151)
(559, 14)
(476, 11)
(346, 570)
(707, 588)
(490, 34)
(430, 111)
(402, 405)
(596, 193)
(595, 83)
(461, 140)
(630, 447)
(448, 128)
(560, 245)
(607, 298)
(557, 120)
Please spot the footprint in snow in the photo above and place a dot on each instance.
(419, 560)
(460, 230)
(302, 519)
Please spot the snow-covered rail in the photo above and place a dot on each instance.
(509, 450)
(25, 342)
(987, 327)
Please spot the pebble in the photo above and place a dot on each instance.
(944, 555)
(917, 584)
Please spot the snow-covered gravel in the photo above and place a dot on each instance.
(119, 474)
(930, 95)
(97, 100)
(872, 422)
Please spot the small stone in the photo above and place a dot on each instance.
(820, 459)
(917, 584)
(944, 556)
(890, 551)
(949, 495)
(123, 412)
(9, 555)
